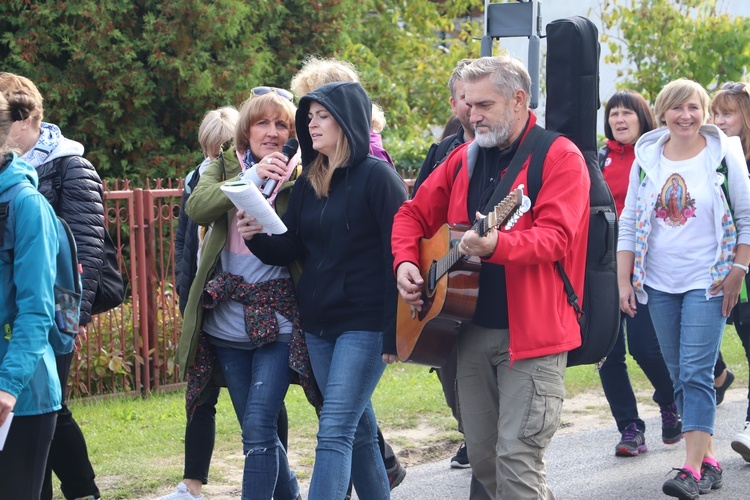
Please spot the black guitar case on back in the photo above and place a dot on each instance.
(572, 108)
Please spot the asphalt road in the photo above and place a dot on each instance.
(581, 465)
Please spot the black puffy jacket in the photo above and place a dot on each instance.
(73, 188)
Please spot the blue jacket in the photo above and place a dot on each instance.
(27, 308)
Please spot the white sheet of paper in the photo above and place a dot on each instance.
(246, 196)
(4, 430)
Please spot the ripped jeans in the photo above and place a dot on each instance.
(257, 381)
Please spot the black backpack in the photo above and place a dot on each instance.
(111, 290)
(572, 104)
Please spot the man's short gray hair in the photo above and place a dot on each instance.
(456, 75)
(506, 74)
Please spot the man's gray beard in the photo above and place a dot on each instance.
(499, 135)
(495, 138)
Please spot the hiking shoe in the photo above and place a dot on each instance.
(683, 486)
(671, 424)
(461, 459)
(633, 442)
(710, 478)
(722, 389)
(741, 442)
(182, 493)
(396, 475)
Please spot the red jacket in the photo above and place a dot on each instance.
(541, 321)
(616, 170)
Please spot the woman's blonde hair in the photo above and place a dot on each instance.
(678, 92)
(736, 102)
(316, 72)
(217, 127)
(322, 168)
(28, 100)
(255, 108)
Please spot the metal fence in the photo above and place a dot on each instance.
(131, 349)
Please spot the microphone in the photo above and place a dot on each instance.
(289, 150)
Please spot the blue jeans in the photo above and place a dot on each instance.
(347, 370)
(644, 347)
(689, 328)
(257, 381)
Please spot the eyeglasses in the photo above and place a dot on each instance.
(267, 90)
(735, 88)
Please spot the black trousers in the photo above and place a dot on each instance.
(68, 454)
(743, 332)
(24, 457)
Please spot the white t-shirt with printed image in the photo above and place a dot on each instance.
(682, 242)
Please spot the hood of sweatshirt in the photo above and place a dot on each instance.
(350, 106)
(14, 170)
(649, 147)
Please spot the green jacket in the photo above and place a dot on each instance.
(207, 206)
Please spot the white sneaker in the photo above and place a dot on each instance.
(741, 442)
(182, 493)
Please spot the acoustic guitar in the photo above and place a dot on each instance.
(451, 287)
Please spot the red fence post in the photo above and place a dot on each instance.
(141, 280)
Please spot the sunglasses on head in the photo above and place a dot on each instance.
(735, 88)
(267, 90)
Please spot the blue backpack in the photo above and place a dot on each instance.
(67, 281)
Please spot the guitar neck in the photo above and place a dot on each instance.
(449, 260)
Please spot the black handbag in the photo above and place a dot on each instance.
(111, 291)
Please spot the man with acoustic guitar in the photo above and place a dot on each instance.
(512, 352)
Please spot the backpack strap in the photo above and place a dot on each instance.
(443, 148)
(534, 144)
(725, 186)
(61, 165)
(6, 209)
(534, 176)
(603, 153)
(534, 179)
(4, 213)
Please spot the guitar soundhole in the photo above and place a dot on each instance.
(429, 290)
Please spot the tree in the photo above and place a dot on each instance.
(133, 79)
(668, 39)
(406, 52)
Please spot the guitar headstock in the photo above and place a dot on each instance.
(508, 211)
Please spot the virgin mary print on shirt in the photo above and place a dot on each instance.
(675, 206)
